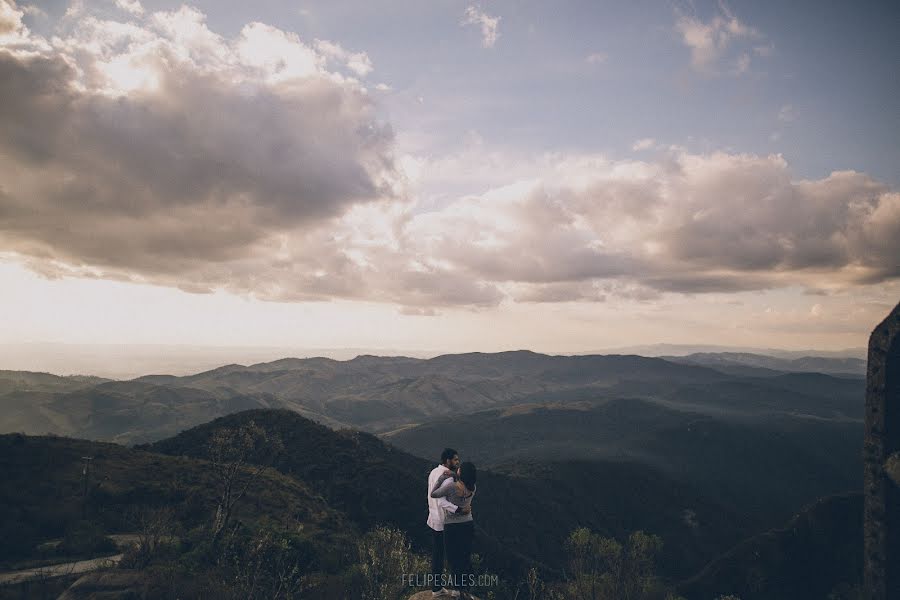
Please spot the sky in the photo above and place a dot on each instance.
(448, 175)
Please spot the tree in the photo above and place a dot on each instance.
(238, 456)
(603, 569)
(155, 527)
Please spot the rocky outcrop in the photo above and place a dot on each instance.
(881, 531)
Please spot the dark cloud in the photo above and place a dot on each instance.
(200, 169)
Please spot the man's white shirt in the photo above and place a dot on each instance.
(437, 506)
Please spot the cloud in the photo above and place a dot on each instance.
(34, 11)
(10, 18)
(709, 41)
(160, 150)
(487, 23)
(597, 58)
(686, 223)
(643, 144)
(358, 62)
(411, 311)
(131, 6)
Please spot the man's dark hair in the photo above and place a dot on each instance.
(468, 474)
(447, 454)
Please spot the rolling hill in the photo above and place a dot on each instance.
(523, 518)
(762, 462)
(381, 394)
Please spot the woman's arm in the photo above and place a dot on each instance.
(441, 478)
(443, 488)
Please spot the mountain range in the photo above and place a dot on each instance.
(372, 393)
(713, 453)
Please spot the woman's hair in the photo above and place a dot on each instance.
(468, 474)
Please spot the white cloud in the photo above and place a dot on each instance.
(34, 11)
(76, 7)
(710, 40)
(10, 18)
(487, 23)
(132, 6)
(358, 62)
(643, 144)
(279, 55)
(597, 58)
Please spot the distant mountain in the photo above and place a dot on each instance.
(369, 392)
(759, 363)
(817, 553)
(807, 395)
(381, 394)
(126, 361)
(30, 381)
(685, 349)
(120, 411)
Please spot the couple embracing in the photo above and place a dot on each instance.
(451, 487)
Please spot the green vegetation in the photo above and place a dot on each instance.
(384, 557)
(267, 504)
(602, 568)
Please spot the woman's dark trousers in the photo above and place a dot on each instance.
(458, 540)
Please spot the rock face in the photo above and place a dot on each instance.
(881, 530)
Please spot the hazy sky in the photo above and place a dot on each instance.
(442, 174)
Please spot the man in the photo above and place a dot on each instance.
(436, 508)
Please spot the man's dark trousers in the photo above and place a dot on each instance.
(437, 559)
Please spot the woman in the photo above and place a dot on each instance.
(459, 489)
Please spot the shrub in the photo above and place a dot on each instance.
(384, 557)
(85, 537)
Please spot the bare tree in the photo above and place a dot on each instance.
(265, 565)
(238, 456)
(154, 526)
